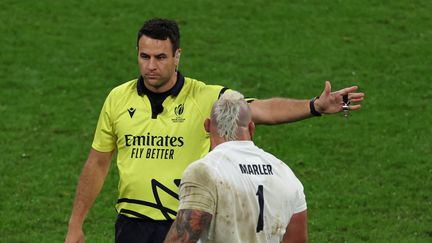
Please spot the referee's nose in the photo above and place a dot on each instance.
(152, 63)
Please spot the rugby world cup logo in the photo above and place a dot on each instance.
(178, 111)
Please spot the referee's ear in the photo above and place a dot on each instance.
(177, 58)
(177, 54)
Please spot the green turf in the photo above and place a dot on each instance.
(367, 178)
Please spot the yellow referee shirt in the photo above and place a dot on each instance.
(154, 144)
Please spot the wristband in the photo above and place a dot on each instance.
(312, 107)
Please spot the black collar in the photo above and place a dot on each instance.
(142, 90)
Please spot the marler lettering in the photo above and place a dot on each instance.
(256, 169)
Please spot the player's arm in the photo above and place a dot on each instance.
(296, 231)
(283, 110)
(89, 185)
(188, 226)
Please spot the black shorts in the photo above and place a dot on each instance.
(134, 230)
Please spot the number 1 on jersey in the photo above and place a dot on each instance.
(260, 194)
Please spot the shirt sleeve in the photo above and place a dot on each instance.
(104, 139)
(300, 203)
(197, 189)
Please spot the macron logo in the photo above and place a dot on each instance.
(131, 111)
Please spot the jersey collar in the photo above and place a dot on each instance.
(142, 90)
(236, 143)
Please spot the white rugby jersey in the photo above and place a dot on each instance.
(251, 194)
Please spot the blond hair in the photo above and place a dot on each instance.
(230, 112)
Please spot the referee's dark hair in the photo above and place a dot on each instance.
(161, 29)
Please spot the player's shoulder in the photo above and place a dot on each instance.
(198, 170)
(209, 161)
(275, 161)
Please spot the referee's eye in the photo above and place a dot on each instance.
(144, 56)
(161, 57)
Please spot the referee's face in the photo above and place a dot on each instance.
(157, 64)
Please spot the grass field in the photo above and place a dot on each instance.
(367, 178)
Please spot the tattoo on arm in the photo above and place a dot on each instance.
(189, 225)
